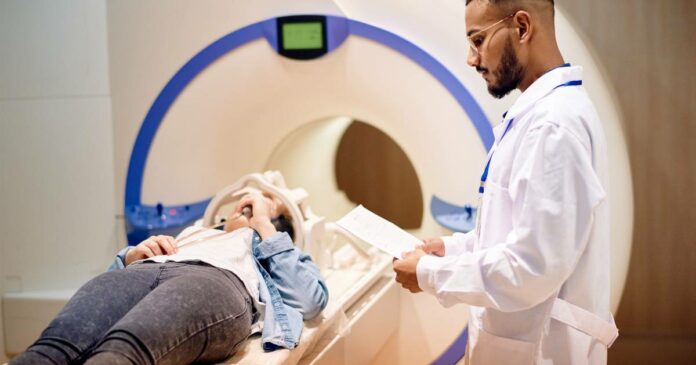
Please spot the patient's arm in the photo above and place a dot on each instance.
(120, 259)
(295, 275)
(293, 272)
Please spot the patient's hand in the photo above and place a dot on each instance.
(153, 246)
(434, 246)
(262, 210)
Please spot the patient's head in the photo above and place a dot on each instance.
(284, 224)
(277, 212)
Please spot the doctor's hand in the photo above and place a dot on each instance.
(153, 246)
(405, 269)
(434, 246)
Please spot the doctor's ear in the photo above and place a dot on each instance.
(524, 25)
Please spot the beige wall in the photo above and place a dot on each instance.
(649, 53)
(56, 154)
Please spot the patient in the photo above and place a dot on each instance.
(195, 303)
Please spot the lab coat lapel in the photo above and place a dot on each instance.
(542, 87)
(500, 129)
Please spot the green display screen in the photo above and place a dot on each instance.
(308, 35)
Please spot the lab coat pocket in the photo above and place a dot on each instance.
(488, 349)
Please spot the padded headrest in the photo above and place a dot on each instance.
(271, 182)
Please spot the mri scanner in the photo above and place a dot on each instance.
(203, 95)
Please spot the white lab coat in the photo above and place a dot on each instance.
(544, 234)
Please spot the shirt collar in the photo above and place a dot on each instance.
(542, 87)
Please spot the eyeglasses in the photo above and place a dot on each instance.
(477, 39)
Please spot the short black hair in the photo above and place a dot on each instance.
(506, 2)
(506, 7)
(283, 224)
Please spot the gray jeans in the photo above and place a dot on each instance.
(147, 313)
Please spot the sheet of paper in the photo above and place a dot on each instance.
(378, 231)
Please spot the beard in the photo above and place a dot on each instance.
(508, 74)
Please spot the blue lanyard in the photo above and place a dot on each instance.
(484, 176)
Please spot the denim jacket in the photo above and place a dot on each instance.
(292, 288)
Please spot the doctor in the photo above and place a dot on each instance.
(535, 272)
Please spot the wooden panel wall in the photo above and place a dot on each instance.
(648, 48)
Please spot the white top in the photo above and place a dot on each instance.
(544, 233)
(230, 251)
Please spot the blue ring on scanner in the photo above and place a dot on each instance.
(139, 215)
(338, 29)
